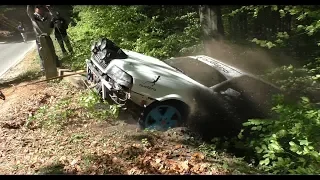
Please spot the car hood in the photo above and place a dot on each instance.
(148, 68)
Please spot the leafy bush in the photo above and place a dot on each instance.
(157, 31)
(96, 108)
(288, 144)
(299, 81)
(56, 115)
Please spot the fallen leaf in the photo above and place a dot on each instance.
(199, 156)
(78, 168)
(94, 143)
(185, 165)
(177, 147)
(115, 159)
(196, 167)
(132, 171)
(176, 167)
(158, 160)
(74, 162)
(203, 167)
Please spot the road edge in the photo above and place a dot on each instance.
(20, 58)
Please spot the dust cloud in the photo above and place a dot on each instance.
(211, 115)
(252, 59)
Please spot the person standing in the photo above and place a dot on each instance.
(43, 24)
(61, 35)
(22, 31)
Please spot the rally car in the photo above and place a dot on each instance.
(167, 93)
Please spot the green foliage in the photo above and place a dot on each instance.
(300, 81)
(63, 113)
(288, 144)
(159, 31)
(263, 43)
(293, 29)
(208, 150)
(96, 108)
(216, 151)
(56, 115)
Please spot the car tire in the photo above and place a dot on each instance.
(166, 106)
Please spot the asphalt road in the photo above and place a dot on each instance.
(11, 53)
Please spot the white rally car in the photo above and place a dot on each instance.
(169, 91)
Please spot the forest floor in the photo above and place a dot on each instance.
(45, 129)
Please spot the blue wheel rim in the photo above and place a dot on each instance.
(162, 117)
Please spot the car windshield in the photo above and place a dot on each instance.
(197, 70)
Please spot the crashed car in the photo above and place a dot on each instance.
(164, 94)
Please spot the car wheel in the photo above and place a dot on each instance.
(163, 115)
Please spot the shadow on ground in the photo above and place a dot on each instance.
(52, 169)
(97, 164)
(126, 117)
(26, 76)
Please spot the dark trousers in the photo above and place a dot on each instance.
(64, 39)
(40, 57)
(50, 44)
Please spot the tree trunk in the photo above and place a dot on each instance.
(231, 29)
(245, 25)
(289, 24)
(211, 22)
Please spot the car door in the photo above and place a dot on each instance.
(253, 93)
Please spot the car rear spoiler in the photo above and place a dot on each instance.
(227, 70)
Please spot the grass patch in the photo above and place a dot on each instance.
(57, 115)
(96, 108)
(218, 158)
(28, 75)
(52, 169)
(77, 137)
(74, 109)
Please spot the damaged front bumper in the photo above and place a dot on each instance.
(111, 83)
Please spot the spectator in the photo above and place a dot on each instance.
(22, 31)
(60, 32)
(43, 24)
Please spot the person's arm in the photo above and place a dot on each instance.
(30, 11)
(52, 21)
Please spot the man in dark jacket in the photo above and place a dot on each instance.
(43, 24)
(60, 32)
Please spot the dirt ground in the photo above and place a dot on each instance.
(14, 94)
(46, 130)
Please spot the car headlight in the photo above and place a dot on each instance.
(120, 76)
(102, 54)
(94, 48)
(103, 44)
(99, 43)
